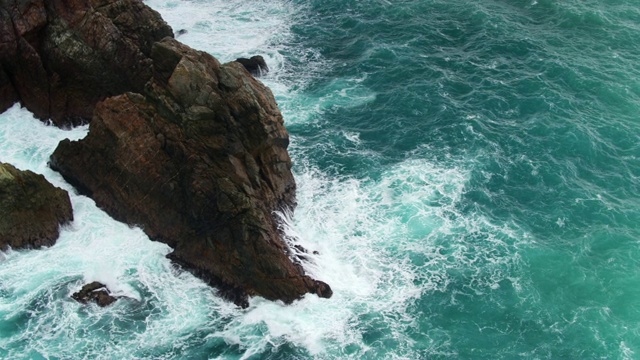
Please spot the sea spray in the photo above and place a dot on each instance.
(467, 172)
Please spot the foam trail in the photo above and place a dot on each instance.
(382, 243)
(230, 29)
(35, 308)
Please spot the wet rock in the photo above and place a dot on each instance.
(199, 160)
(60, 57)
(254, 65)
(322, 289)
(299, 253)
(94, 292)
(32, 209)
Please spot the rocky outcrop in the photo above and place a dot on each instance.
(94, 292)
(255, 65)
(191, 150)
(60, 57)
(200, 162)
(32, 209)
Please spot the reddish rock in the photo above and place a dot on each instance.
(60, 57)
(32, 209)
(200, 162)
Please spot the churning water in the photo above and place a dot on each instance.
(469, 173)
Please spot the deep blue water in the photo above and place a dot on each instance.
(468, 171)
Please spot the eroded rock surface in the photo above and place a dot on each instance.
(200, 162)
(31, 209)
(60, 57)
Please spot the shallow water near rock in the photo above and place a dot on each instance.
(467, 171)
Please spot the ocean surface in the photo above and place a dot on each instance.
(469, 172)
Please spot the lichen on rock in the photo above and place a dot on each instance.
(32, 209)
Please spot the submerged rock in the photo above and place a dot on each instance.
(255, 65)
(96, 292)
(200, 162)
(32, 209)
(60, 57)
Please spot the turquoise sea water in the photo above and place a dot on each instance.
(468, 171)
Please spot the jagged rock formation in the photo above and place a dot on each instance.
(32, 209)
(255, 65)
(200, 162)
(96, 292)
(60, 57)
(191, 150)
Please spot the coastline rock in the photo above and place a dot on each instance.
(96, 292)
(8, 95)
(254, 65)
(32, 209)
(200, 162)
(60, 57)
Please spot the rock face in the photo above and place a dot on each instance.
(255, 65)
(60, 57)
(199, 161)
(32, 209)
(96, 292)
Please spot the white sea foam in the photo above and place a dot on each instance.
(230, 29)
(382, 243)
(360, 228)
(94, 247)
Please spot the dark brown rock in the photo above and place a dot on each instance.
(32, 209)
(200, 162)
(255, 65)
(299, 253)
(8, 95)
(60, 57)
(95, 292)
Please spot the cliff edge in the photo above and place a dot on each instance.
(191, 150)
